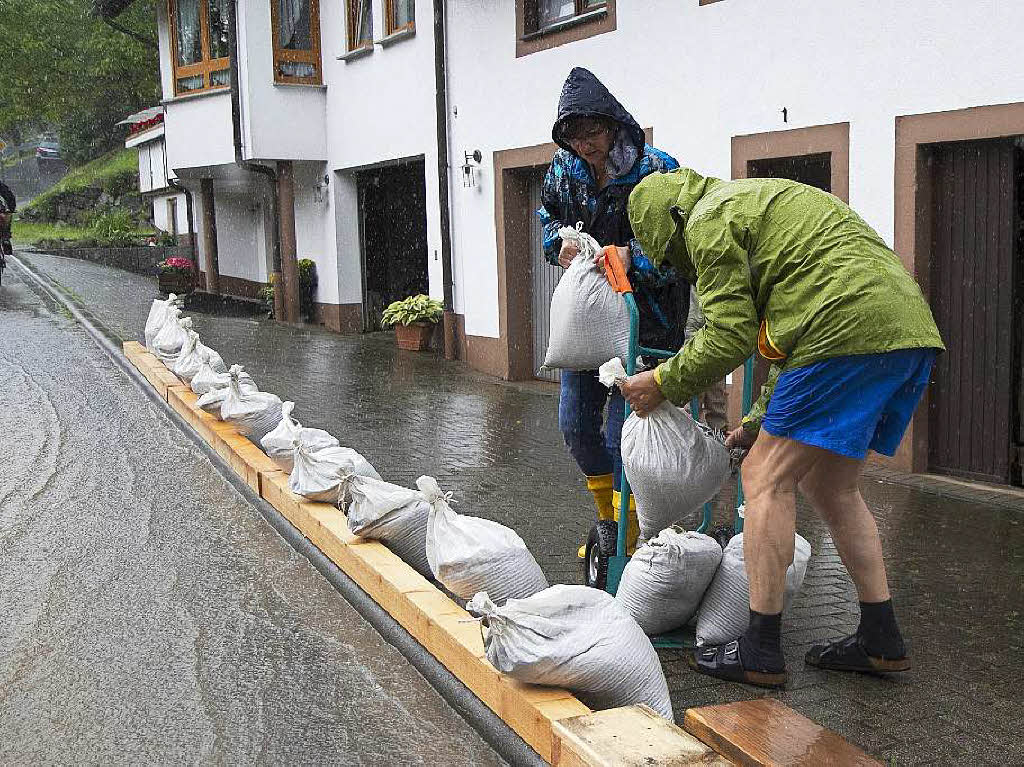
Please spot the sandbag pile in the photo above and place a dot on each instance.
(280, 443)
(725, 611)
(254, 413)
(318, 474)
(589, 320)
(172, 336)
(394, 515)
(577, 638)
(158, 313)
(469, 554)
(663, 582)
(194, 353)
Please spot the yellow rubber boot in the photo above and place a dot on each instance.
(600, 487)
(633, 528)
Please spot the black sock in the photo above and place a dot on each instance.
(761, 645)
(878, 632)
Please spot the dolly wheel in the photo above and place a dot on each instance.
(723, 534)
(600, 548)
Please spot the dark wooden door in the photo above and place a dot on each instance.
(972, 297)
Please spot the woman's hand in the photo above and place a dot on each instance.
(642, 393)
(740, 437)
(624, 258)
(568, 252)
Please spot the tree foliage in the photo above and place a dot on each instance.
(62, 65)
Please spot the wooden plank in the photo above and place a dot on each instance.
(133, 350)
(158, 375)
(766, 732)
(183, 400)
(632, 736)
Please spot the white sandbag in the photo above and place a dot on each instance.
(394, 515)
(211, 357)
(665, 579)
(674, 464)
(469, 554)
(280, 443)
(172, 336)
(158, 315)
(318, 474)
(589, 320)
(207, 379)
(254, 413)
(725, 611)
(577, 638)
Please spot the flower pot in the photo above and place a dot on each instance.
(414, 337)
(176, 281)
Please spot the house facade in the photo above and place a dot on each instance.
(405, 142)
(169, 205)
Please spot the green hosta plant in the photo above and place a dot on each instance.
(419, 308)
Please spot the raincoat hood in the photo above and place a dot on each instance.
(659, 207)
(583, 95)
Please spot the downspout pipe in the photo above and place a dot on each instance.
(443, 179)
(254, 167)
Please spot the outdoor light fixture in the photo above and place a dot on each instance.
(467, 167)
(320, 187)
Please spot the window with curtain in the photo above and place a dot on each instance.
(296, 41)
(199, 38)
(401, 15)
(544, 14)
(360, 24)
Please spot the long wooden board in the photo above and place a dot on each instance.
(766, 732)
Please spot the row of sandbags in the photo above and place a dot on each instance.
(570, 636)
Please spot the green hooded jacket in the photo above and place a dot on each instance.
(780, 257)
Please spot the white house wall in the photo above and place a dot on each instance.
(198, 131)
(282, 122)
(702, 74)
(160, 216)
(380, 107)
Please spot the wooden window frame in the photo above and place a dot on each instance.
(311, 57)
(352, 24)
(586, 23)
(389, 16)
(205, 67)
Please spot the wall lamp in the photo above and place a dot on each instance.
(468, 171)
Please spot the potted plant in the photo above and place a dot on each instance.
(413, 319)
(177, 275)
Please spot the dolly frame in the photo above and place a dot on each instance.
(618, 279)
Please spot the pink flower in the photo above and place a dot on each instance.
(179, 263)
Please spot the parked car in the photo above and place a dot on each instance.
(48, 151)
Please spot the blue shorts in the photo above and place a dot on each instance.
(853, 404)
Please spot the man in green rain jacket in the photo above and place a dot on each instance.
(792, 271)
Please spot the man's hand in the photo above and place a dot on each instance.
(568, 252)
(740, 437)
(642, 393)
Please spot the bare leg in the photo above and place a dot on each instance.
(832, 487)
(771, 473)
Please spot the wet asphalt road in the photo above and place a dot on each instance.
(148, 614)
